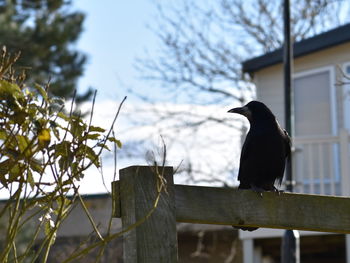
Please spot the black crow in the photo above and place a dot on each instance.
(264, 152)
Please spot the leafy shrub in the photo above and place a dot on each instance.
(44, 152)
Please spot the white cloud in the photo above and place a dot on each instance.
(212, 148)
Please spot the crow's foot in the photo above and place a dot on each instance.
(258, 190)
(277, 191)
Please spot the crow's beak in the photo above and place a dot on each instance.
(242, 110)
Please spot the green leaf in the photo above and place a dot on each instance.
(90, 154)
(116, 141)
(56, 133)
(15, 172)
(41, 91)
(3, 180)
(30, 179)
(104, 146)
(96, 129)
(23, 143)
(10, 90)
(63, 116)
(49, 226)
(77, 127)
(3, 134)
(5, 166)
(63, 163)
(19, 116)
(62, 149)
(75, 168)
(36, 166)
(93, 136)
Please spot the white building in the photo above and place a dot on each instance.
(320, 136)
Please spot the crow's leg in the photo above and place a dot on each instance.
(257, 189)
(277, 191)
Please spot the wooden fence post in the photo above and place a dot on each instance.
(154, 240)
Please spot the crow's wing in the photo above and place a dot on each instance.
(287, 152)
(263, 157)
(288, 144)
(250, 160)
(243, 174)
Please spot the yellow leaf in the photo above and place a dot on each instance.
(44, 138)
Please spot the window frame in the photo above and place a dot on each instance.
(332, 92)
(333, 115)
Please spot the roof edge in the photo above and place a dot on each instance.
(319, 42)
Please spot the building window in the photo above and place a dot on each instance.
(317, 161)
(313, 103)
(347, 70)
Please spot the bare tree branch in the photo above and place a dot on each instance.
(202, 46)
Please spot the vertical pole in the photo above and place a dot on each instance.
(347, 248)
(290, 242)
(290, 247)
(288, 93)
(344, 171)
(248, 250)
(155, 239)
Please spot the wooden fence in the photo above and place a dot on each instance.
(151, 211)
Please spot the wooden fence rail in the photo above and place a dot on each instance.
(155, 239)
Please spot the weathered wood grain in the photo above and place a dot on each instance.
(116, 205)
(155, 239)
(225, 206)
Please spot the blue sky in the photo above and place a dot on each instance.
(115, 32)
